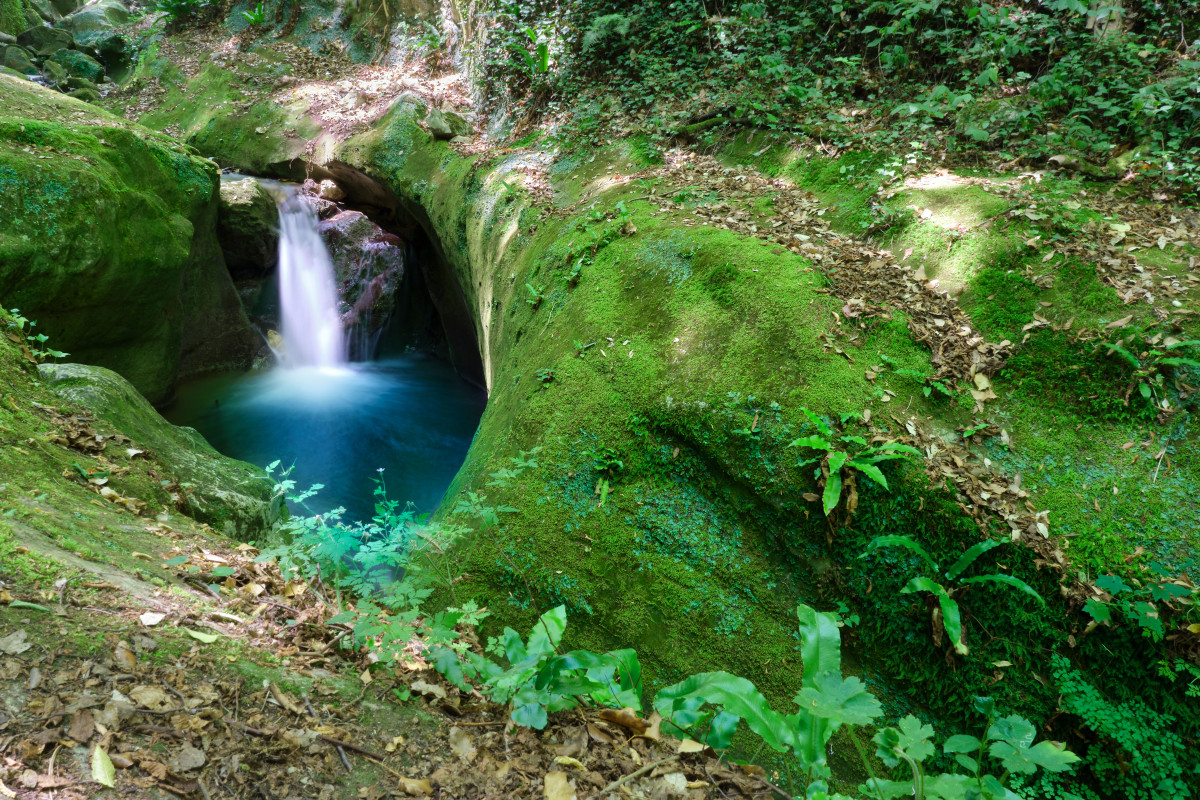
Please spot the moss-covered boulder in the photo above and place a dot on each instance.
(79, 65)
(19, 60)
(44, 41)
(230, 495)
(95, 20)
(108, 240)
(248, 227)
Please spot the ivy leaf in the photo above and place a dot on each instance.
(910, 739)
(1098, 611)
(843, 700)
(1018, 758)
(1111, 584)
(530, 715)
(961, 743)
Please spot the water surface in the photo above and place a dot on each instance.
(410, 415)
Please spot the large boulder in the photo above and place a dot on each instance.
(44, 41)
(19, 60)
(108, 240)
(95, 20)
(230, 495)
(368, 264)
(248, 228)
(78, 64)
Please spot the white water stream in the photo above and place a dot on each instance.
(312, 330)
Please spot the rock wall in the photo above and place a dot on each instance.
(110, 242)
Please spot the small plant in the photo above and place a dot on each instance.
(946, 614)
(34, 343)
(608, 463)
(536, 295)
(180, 10)
(1144, 604)
(1149, 376)
(256, 17)
(545, 376)
(581, 348)
(845, 458)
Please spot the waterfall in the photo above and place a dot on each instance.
(312, 328)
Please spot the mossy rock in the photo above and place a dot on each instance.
(95, 20)
(19, 60)
(85, 94)
(109, 242)
(81, 83)
(44, 41)
(79, 65)
(230, 495)
(247, 227)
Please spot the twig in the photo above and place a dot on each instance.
(203, 789)
(612, 787)
(355, 748)
(345, 761)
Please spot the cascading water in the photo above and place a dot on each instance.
(308, 302)
(406, 417)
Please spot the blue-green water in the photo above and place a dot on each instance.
(410, 415)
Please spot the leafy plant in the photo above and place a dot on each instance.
(34, 344)
(536, 295)
(545, 375)
(257, 16)
(846, 456)
(1149, 373)
(1137, 751)
(946, 613)
(607, 462)
(180, 10)
(1143, 604)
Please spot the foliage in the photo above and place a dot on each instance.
(1147, 604)
(1034, 74)
(18, 324)
(1150, 366)
(179, 11)
(257, 16)
(947, 613)
(1137, 753)
(846, 457)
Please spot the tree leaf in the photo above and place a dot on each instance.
(1098, 611)
(736, 696)
(969, 556)
(207, 638)
(547, 632)
(103, 771)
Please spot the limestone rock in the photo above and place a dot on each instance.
(95, 20)
(229, 495)
(369, 265)
(55, 73)
(80, 83)
(44, 41)
(19, 60)
(86, 95)
(459, 126)
(120, 230)
(248, 228)
(438, 125)
(7, 38)
(78, 64)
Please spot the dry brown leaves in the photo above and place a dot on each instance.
(869, 281)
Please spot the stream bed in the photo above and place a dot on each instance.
(410, 415)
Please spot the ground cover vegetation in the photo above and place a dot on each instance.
(992, 203)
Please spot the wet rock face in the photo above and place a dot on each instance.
(248, 228)
(368, 264)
